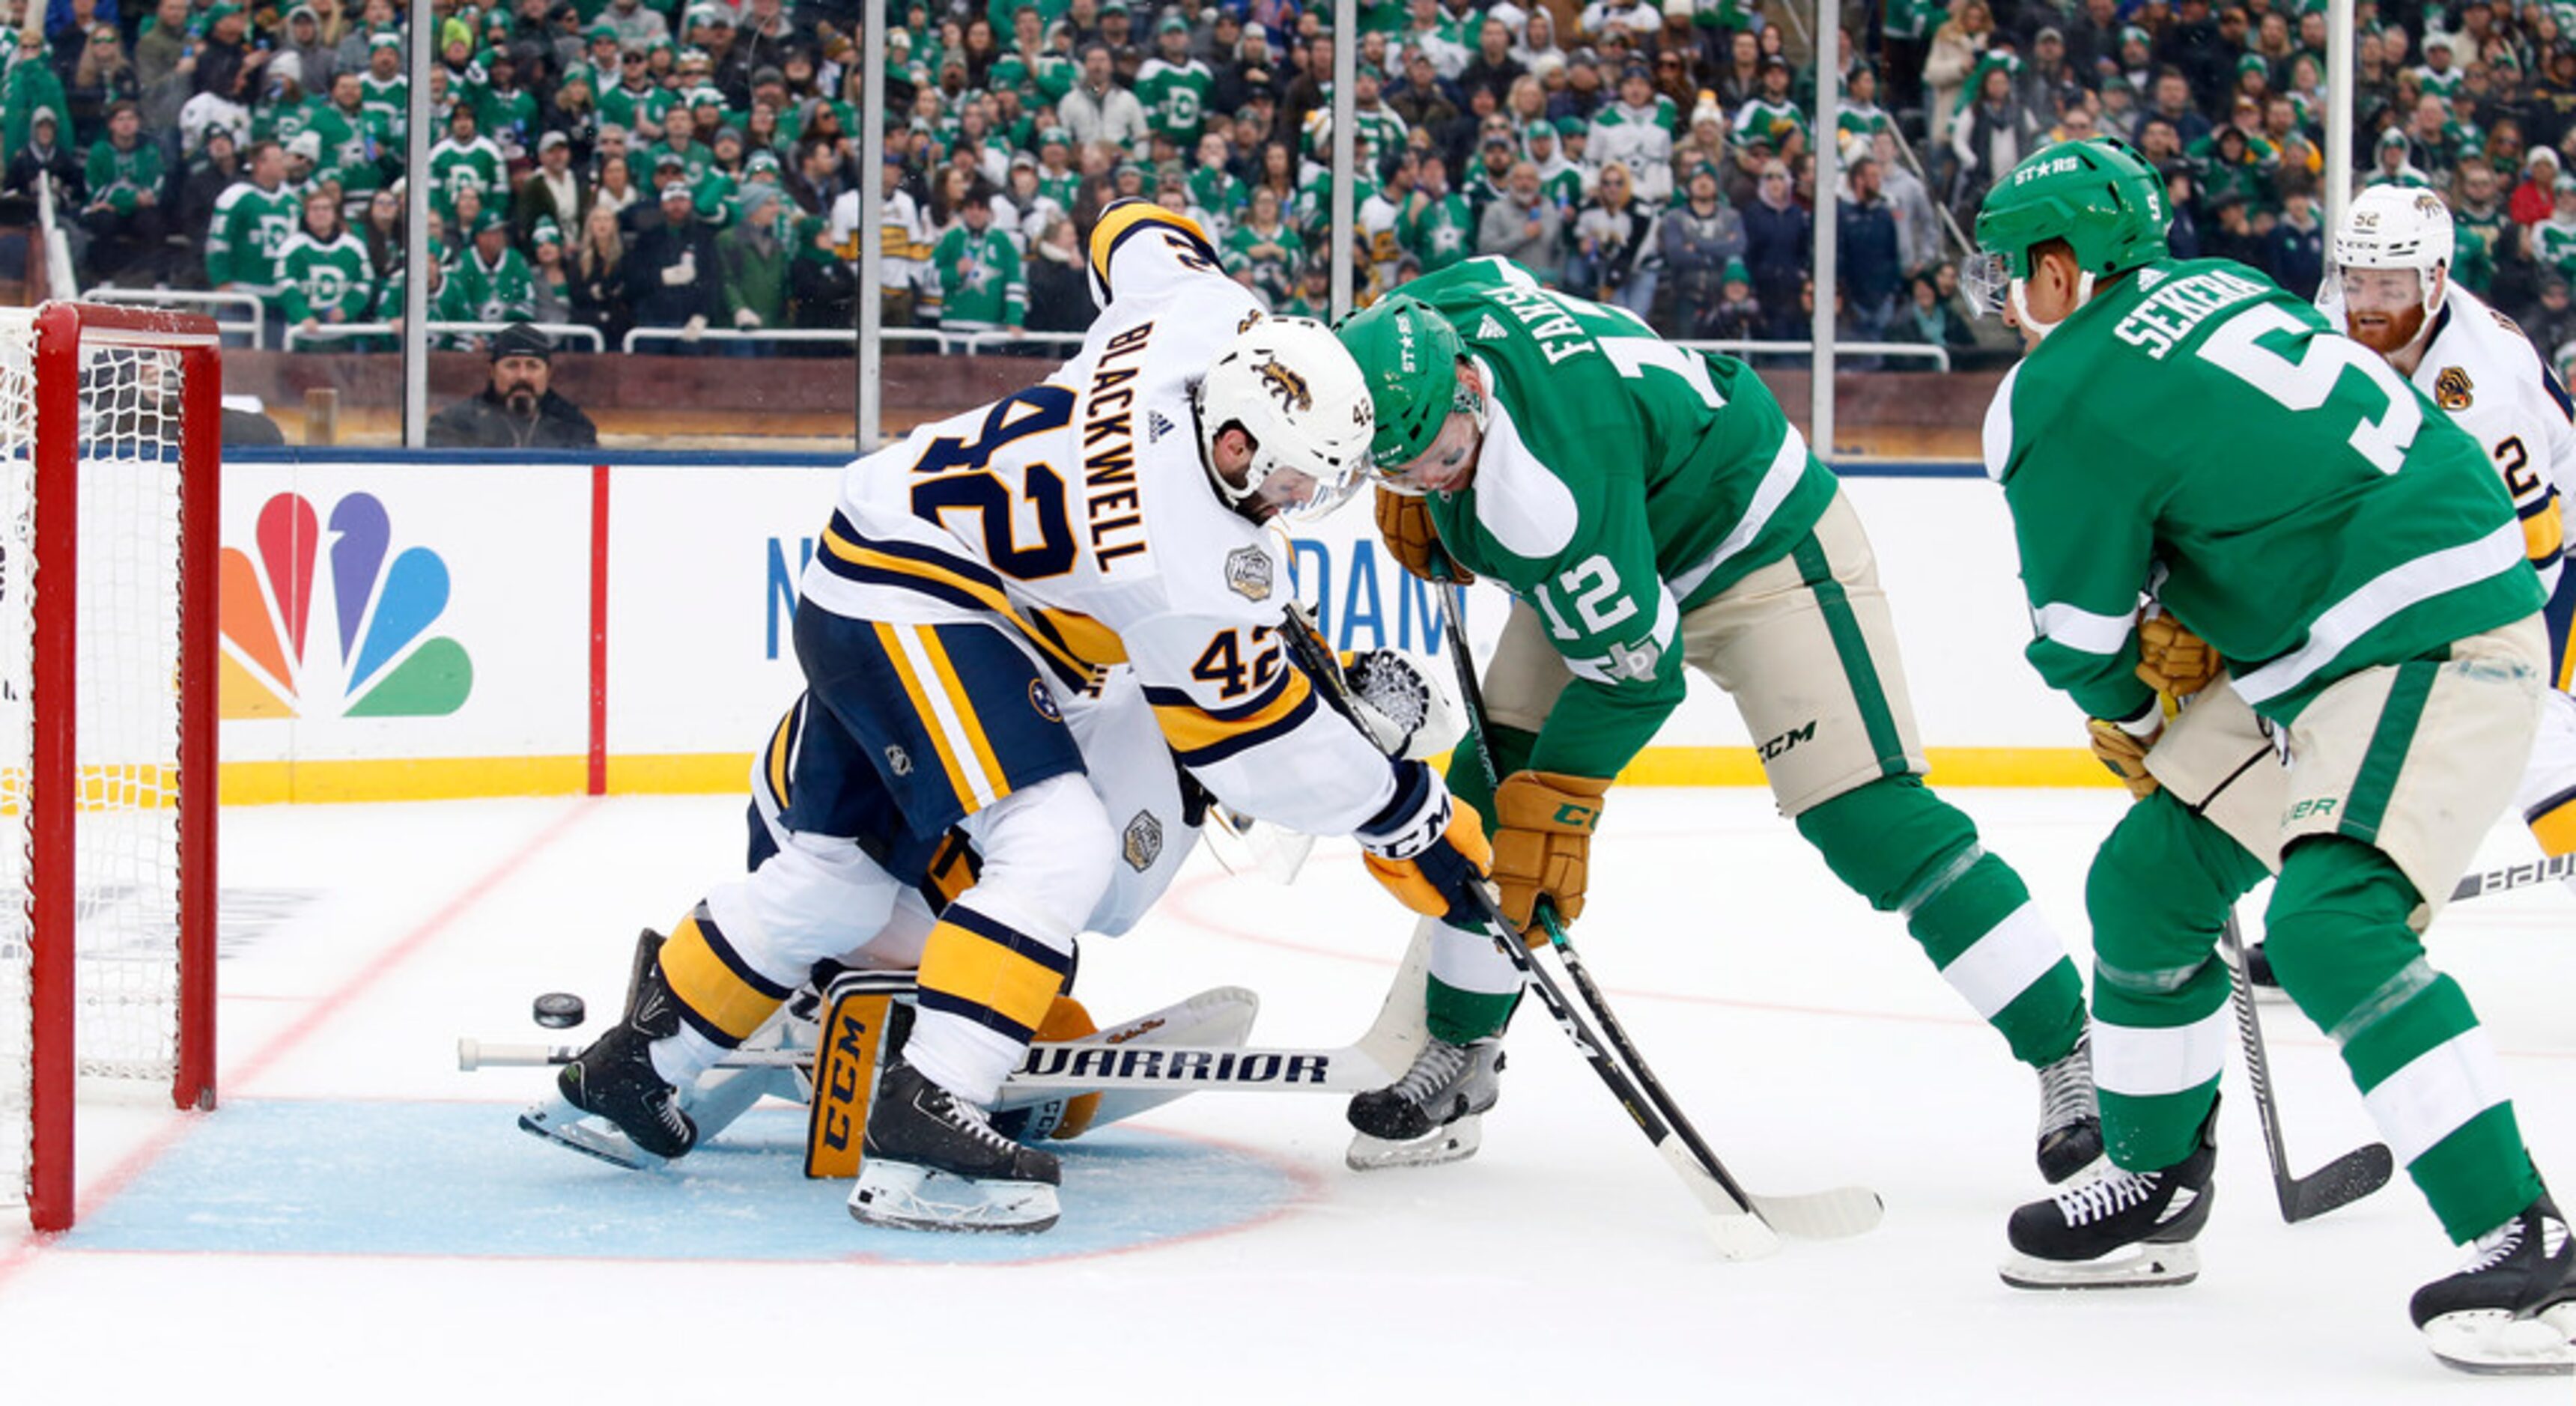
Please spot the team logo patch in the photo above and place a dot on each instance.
(898, 761)
(1144, 842)
(1043, 701)
(1286, 384)
(1247, 573)
(2451, 389)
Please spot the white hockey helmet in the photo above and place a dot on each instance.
(2392, 227)
(1288, 383)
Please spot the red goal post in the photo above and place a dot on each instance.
(110, 448)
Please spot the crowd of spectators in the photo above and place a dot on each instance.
(688, 164)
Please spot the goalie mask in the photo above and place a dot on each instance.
(1289, 386)
(2389, 267)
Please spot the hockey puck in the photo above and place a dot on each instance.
(559, 1010)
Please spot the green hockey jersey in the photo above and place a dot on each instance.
(249, 231)
(1623, 481)
(1441, 233)
(120, 177)
(2195, 432)
(1175, 97)
(476, 164)
(1272, 256)
(318, 279)
(504, 292)
(980, 283)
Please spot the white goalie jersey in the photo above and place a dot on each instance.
(1077, 511)
(2481, 370)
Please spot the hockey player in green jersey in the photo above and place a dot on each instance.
(1652, 509)
(2307, 512)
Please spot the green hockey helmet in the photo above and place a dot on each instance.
(2098, 195)
(1408, 354)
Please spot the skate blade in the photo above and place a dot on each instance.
(2491, 1343)
(1455, 1142)
(558, 1122)
(2146, 1267)
(901, 1196)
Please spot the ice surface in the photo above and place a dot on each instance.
(363, 1219)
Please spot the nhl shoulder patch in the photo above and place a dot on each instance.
(1143, 843)
(2452, 390)
(1247, 573)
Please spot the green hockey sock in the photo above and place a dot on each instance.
(2158, 893)
(2338, 938)
(1907, 851)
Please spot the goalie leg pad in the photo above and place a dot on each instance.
(856, 1012)
(1222, 1015)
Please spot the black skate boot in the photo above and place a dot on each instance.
(2070, 1121)
(2119, 1230)
(2512, 1307)
(2261, 979)
(931, 1161)
(1434, 1113)
(615, 1080)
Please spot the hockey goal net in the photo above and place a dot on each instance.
(109, 440)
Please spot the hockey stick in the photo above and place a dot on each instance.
(2340, 1182)
(1743, 1223)
(2514, 876)
(1081, 1066)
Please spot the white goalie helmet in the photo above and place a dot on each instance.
(2392, 227)
(1292, 387)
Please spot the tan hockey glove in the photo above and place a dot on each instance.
(1543, 845)
(1404, 521)
(2125, 755)
(2172, 660)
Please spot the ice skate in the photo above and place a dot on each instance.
(2118, 1230)
(2070, 1120)
(2512, 1308)
(931, 1162)
(610, 1102)
(1434, 1113)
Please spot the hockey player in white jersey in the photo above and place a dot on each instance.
(990, 576)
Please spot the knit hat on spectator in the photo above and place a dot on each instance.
(520, 339)
(1172, 24)
(762, 160)
(600, 29)
(545, 231)
(384, 39)
(1679, 9)
(490, 221)
(756, 195)
(1539, 132)
(304, 12)
(215, 14)
(1735, 272)
(1571, 126)
(307, 143)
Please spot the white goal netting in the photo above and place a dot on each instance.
(124, 874)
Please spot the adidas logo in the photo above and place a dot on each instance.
(2149, 278)
(1156, 427)
(1489, 330)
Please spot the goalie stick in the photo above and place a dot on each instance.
(2340, 1182)
(1742, 1224)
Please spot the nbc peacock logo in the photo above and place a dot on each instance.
(377, 611)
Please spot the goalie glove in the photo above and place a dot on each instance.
(2172, 660)
(1405, 523)
(1543, 845)
(1404, 702)
(2125, 754)
(1429, 848)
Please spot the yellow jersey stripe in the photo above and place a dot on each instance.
(951, 586)
(1116, 223)
(781, 744)
(1191, 728)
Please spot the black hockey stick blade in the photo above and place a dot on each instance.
(2340, 1182)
